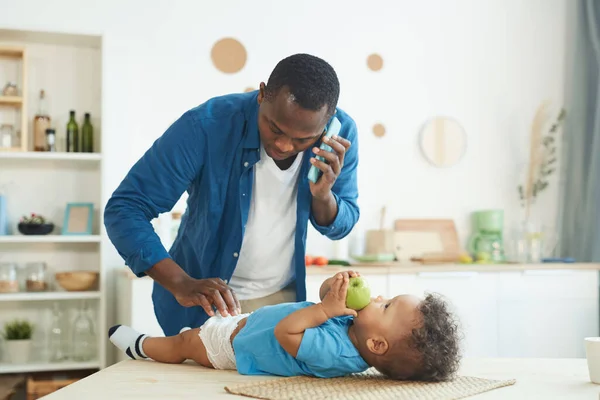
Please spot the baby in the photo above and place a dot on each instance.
(404, 338)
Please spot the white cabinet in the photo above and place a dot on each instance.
(541, 313)
(472, 297)
(546, 313)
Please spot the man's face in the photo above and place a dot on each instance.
(287, 129)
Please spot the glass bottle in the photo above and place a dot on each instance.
(72, 134)
(41, 122)
(87, 135)
(50, 140)
(58, 336)
(83, 340)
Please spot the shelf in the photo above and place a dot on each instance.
(43, 296)
(11, 100)
(43, 367)
(50, 156)
(49, 239)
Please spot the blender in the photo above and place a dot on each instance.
(486, 242)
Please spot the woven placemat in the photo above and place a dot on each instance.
(368, 385)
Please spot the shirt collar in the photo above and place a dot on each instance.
(252, 136)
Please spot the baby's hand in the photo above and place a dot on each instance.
(334, 303)
(347, 274)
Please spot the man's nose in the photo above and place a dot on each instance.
(284, 145)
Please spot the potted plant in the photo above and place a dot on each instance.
(35, 224)
(17, 335)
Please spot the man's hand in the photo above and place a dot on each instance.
(191, 292)
(331, 169)
(206, 293)
(334, 303)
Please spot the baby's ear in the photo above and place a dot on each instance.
(377, 345)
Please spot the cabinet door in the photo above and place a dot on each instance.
(313, 284)
(547, 313)
(472, 297)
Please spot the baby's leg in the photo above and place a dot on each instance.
(172, 349)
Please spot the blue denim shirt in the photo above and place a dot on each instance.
(210, 152)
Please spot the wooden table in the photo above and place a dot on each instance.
(146, 380)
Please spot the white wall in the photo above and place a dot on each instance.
(487, 63)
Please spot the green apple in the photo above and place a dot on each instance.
(359, 293)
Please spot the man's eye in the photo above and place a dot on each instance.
(387, 305)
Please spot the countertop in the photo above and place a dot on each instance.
(147, 380)
(415, 268)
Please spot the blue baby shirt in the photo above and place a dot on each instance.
(325, 351)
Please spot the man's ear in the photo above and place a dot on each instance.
(377, 345)
(261, 93)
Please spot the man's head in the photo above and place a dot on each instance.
(407, 338)
(295, 105)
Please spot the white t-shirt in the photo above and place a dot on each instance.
(265, 264)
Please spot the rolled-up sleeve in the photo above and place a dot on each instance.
(153, 186)
(345, 190)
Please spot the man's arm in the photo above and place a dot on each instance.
(335, 213)
(290, 330)
(153, 186)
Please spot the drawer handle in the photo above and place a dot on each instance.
(461, 274)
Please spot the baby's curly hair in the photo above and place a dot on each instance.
(432, 351)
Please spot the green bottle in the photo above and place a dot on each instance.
(87, 135)
(72, 134)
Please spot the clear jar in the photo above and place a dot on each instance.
(36, 277)
(9, 283)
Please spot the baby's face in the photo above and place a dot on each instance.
(389, 318)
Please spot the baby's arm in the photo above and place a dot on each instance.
(290, 330)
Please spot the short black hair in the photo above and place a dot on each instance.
(431, 352)
(311, 80)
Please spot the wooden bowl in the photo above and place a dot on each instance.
(76, 281)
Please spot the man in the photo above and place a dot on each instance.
(244, 160)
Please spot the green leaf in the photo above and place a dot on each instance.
(18, 330)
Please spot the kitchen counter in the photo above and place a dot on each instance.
(412, 268)
(146, 380)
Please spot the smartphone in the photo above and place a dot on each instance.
(332, 129)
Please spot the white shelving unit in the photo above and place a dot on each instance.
(46, 367)
(68, 69)
(51, 156)
(49, 239)
(50, 296)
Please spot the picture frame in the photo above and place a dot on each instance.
(78, 219)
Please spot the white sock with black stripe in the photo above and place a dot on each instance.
(129, 340)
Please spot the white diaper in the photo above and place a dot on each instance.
(216, 334)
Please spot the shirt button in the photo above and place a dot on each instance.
(243, 194)
(235, 255)
(246, 164)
